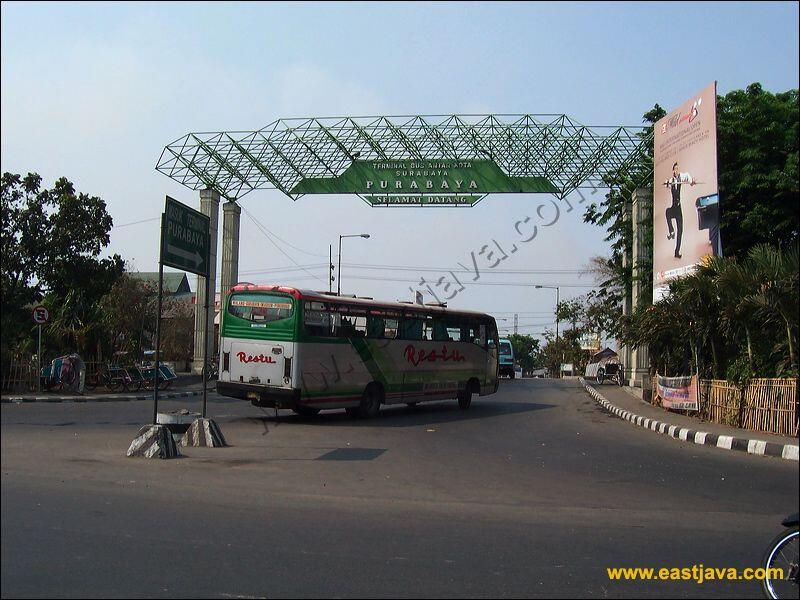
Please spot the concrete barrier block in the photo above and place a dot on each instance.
(153, 441)
(204, 432)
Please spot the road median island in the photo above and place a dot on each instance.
(721, 437)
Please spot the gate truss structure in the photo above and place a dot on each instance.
(555, 147)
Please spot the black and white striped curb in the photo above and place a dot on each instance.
(120, 398)
(727, 442)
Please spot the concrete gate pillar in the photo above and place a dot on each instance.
(625, 352)
(641, 217)
(231, 214)
(204, 321)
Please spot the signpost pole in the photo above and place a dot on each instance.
(206, 366)
(39, 362)
(158, 323)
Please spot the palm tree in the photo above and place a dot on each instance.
(76, 321)
(776, 294)
(736, 283)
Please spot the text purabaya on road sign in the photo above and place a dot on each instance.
(186, 239)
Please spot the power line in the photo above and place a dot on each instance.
(136, 222)
(264, 230)
(378, 267)
(452, 283)
(271, 233)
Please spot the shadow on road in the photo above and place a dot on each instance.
(404, 416)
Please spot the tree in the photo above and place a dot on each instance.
(177, 331)
(758, 168)
(51, 243)
(129, 315)
(566, 349)
(610, 213)
(776, 296)
(526, 350)
(733, 317)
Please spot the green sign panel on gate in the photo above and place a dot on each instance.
(185, 241)
(423, 182)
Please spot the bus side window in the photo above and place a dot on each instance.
(390, 329)
(359, 326)
(375, 327)
(441, 333)
(428, 331)
(317, 323)
(410, 328)
(469, 333)
(493, 340)
(481, 340)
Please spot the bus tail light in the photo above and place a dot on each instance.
(226, 361)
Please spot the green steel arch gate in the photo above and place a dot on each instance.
(407, 161)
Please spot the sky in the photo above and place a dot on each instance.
(95, 91)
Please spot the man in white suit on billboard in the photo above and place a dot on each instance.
(674, 212)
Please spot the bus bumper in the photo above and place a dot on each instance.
(260, 395)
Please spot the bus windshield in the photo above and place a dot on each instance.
(505, 349)
(260, 308)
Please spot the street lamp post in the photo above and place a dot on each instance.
(339, 284)
(558, 300)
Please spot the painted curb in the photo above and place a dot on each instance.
(727, 442)
(84, 399)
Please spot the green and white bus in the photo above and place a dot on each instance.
(309, 351)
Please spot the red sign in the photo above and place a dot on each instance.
(416, 356)
(40, 314)
(248, 358)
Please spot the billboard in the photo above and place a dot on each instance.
(685, 189)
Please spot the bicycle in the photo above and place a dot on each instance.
(782, 554)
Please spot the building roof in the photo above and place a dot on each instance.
(604, 355)
(174, 283)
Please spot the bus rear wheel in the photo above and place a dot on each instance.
(465, 398)
(370, 403)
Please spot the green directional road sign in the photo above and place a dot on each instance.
(185, 239)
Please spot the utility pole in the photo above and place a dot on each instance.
(330, 268)
(516, 322)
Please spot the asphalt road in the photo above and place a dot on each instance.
(532, 492)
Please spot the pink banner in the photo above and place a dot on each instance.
(678, 393)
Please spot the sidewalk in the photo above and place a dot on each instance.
(691, 429)
(183, 387)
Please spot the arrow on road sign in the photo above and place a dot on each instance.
(193, 257)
